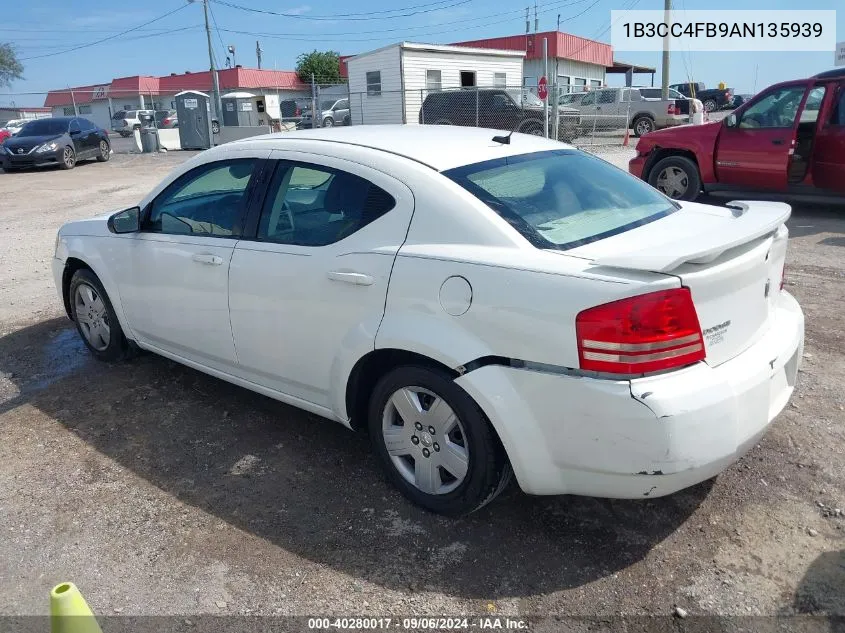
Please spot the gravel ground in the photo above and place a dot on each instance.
(159, 490)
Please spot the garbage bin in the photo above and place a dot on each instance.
(149, 140)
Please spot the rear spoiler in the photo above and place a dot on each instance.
(751, 220)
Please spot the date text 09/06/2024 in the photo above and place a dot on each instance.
(418, 623)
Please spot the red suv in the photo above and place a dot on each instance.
(788, 140)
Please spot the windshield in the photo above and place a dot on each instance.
(563, 198)
(44, 127)
(525, 98)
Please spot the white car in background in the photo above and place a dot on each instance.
(483, 306)
(14, 125)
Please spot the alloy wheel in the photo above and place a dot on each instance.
(673, 181)
(643, 127)
(104, 149)
(68, 158)
(425, 440)
(92, 316)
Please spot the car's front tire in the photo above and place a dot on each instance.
(68, 159)
(95, 317)
(434, 442)
(676, 177)
(328, 122)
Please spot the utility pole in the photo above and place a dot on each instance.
(215, 85)
(667, 18)
(536, 21)
(558, 21)
(258, 53)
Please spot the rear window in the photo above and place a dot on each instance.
(563, 198)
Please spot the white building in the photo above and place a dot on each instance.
(387, 85)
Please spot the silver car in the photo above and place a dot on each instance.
(332, 112)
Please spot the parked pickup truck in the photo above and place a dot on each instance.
(788, 140)
(713, 98)
(640, 109)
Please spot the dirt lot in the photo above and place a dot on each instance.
(159, 490)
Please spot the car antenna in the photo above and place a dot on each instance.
(504, 140)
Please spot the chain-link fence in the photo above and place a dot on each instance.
(602, 127)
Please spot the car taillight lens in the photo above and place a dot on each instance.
(646, 333)
(670, 109)
(166, 122)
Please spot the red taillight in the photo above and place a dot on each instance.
(646, 333)
(671, 109)
(166, 121)
(298, 112)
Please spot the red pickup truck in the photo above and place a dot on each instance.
(789, 141)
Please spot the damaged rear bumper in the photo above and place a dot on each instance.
(646, 437)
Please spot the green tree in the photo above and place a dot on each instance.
(10, 67)
(325, 66)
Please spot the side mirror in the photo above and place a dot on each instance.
(127, 221)
(730, 120)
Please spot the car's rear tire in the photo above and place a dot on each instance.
(444, 454)
(95, 317)
(68, 160)
(328, 122)
(104, 151)
(710, 105)
(642, 125)
(677, 177)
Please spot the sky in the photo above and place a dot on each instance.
(43, 31)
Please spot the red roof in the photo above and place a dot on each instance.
(229, 79)
(561, 45)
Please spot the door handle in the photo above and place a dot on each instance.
(358, 279)
(208, 258)
(777, 141)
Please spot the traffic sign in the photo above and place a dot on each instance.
(542, 88)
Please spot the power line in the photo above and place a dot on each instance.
(126, 39)
(343, 36)
(106, 39)
(348, 16)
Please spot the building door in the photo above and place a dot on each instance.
(468, 79)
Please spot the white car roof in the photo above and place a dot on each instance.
(438, 146)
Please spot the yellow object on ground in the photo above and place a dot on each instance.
(69, 613)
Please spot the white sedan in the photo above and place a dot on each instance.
(483, 307)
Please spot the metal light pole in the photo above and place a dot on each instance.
(546, 75)
(667, 17)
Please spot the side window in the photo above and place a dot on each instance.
(74, 126)
(837, 117)
(205, 201)
(606, 96)
(343, 104)
(85, 125)
(810, 113)
(589, 99)
(374, 83)
(310, 205)
(777, 109)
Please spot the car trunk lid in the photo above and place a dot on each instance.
(731, 259)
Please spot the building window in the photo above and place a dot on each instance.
(579, 85)
(467, 79)
(69, 111)
(500, 80)
(433, 80)
(595, 83)
(84, 109)
(529, 82)
(564, 82)
(374, 83)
